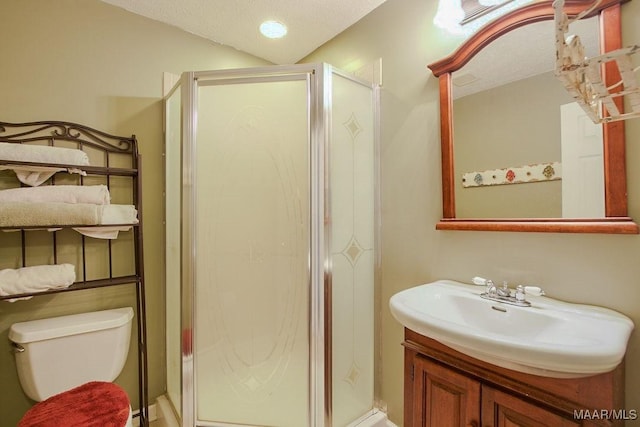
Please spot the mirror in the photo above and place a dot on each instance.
(472, 167)
(510, 115)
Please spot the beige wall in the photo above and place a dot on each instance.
(91, 63)
(596, 269)
(512, 125)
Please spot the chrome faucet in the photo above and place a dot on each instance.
(505, 295)
(504, 291)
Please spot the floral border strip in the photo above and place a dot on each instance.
(540, 172)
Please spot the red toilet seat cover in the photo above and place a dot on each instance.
(94, 404)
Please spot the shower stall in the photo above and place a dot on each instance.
(271, 261)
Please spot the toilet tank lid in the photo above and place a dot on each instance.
(56, 327)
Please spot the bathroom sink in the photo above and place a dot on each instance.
(551, 338)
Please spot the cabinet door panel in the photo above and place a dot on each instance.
(444, 398)
(502, 410)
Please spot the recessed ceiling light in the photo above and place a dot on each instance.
(273, 29)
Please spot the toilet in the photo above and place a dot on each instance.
(68, 364)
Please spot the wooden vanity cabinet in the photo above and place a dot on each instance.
(442, 396)
(445, 388)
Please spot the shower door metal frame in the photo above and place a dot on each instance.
(318, 77)
(316, 140)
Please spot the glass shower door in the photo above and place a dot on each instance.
(252, 252)
(274, 193)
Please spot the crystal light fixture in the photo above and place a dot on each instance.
(449, 15)
(490, 2)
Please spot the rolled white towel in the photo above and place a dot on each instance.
(43, 154)
(38, 278)
(92, 194)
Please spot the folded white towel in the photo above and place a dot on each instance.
(92, 194)
(43, 154)
(106, 232)
(38, 278)
(112, 214)
(115, 218)
(36, 175)
(25, 214)
(119, 214)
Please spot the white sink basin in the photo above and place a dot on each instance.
(551, 338)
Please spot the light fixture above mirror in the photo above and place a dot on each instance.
(490, 2)
(465, 17)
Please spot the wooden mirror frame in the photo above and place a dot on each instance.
(615, 185)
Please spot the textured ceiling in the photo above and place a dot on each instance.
(522, 53)
(235, 23)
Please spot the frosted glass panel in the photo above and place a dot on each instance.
(352, 177)
(173, 184)
(252, 254)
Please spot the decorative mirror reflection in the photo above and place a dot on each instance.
(511, 114)
(518, 154)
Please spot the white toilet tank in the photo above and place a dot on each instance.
(56, 354)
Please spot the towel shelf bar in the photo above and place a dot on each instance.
(58, 227)
(82, 285)
(93, 170)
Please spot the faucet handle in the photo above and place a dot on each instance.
(520, 293)
(490, 287)
(480, 281)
